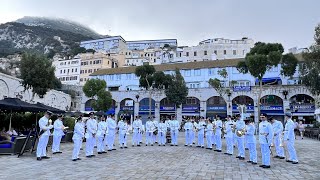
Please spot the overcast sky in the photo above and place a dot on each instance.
(290, 22)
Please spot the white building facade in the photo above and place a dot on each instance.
(68, 70)
(11, 87)
(112, 44)
(284, 95)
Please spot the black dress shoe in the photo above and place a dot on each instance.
(289, 161)
(109, 149)
(78, 158)
(132, 145)
(202, 146)
(45, 157)
(276, 156)
(99, 152)
(164, 145)
(187, 145)
(266, 166)
(198, 146)
(254, 163)
(262, 165)
(151, 144)
(95, 146)
(146, 144)
(121, 147)
(114, 149)
(249, 161)
(295, 162)
(171, 144)
(241, 158)
(138, 145)
(210, 148)
(54, 153)
(88, 156)
(104, 152)
(74, 159)
(225, 153)
(159, 145)
(92, 155)
(125, 147)
(176, 145)
(59, 152)
(281, 157)
(39, 159)
(218, 150)
(230, 154)
(238, 157)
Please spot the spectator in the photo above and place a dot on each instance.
(301, 129)
(295, 128)
(12, 132)
(4, 136)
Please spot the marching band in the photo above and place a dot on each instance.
(236, 133)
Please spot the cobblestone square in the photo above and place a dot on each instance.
(154, 162)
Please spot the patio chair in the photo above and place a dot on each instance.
(12, 147)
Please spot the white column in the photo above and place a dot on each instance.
(157, 111)
(203, 108)
(117, 110)
(179, 113)
(136, 108)
(229, 108)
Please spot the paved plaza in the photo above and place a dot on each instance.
(154, 162)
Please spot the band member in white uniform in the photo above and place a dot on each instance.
(265, 139)
(240, 125)
(289, 138)
(213, 137)
(141, 130)
(251, 140)
(201, 127)
(155, 124)
(137, 130)
(123, 130)
(101, 135)
(188, 127)
(112, 125)
(78, 135)
(209, 131)
(57, 134)
(218, 134)
(149, 132)
(174, 128)
(90, 135)
(277, 130)
(162, 132)
(44, 136)
(229, 135)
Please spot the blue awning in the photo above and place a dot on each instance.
(269, 80)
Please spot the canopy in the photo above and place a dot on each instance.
(15, 104)
(52, 109)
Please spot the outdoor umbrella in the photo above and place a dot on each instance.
(49, 108)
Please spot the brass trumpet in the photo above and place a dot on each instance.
(241, 132)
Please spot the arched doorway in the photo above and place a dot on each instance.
(216, 105)
(144, 107)
(302, 107)
(127, 107)
(88, 105)
(272, 106)
(191, 107)
(246, 100)
(112, 109)
(167, 108)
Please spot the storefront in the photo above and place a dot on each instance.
(216, 105)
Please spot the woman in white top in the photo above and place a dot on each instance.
(301, 129)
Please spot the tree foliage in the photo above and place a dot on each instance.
(310, 69)
(96, 89)
(217, 85)
(177, 90)
(145, 73)
(37, 73)
(93, 86)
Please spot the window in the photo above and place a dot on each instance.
(210, 71)
(71, 70)
(90, 62)
(126, 53)
(215, 51)
(195, 53)
(197, 72)
(234, 52)
(187, 72)
(187, 53)
(129, 53)
(111, 77)
(205, 52)
(81, 79)
(128, 76)
(68, 70)
(64, 71)
(192, 100)
(85, 71)
(90, 71)
(154, 60)
(76, 70)
(94, 62)
(60, 71)
(118, 77)
(224, 52)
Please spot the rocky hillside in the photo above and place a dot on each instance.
(43, 36)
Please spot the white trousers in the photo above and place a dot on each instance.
(188, 134)
(174, 137)
(200, 139)
(265, 154)
(253, 152)
(149, 138)
(76, 148)
(110, 140)
(229, 141)
(122, 140)
(101, 144)
(56, 143)
(162, 138)
(42, 146)
(90, 145)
